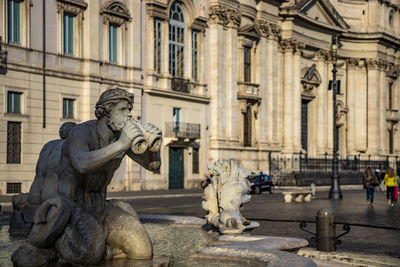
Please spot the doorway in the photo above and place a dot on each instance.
(176, 180)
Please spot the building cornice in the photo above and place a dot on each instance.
(177, 95)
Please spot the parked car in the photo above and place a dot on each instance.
(261, 182)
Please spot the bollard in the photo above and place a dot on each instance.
(326, 233)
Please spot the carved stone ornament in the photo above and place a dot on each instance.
(267, 29)
(115, 13)
(310, 80)
(352, 63)
(393, 71)
(323, 55)
(341, 112)
(73, 7)
(222, 15)
(291, 45)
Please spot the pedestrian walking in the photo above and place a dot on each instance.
(370, 181)
(390, 182)
(396, 189)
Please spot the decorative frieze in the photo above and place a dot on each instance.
(73, 7)
(268, 30)
(224, 16)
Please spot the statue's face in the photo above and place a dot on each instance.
(118, 115)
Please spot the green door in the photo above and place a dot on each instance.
(175, 168)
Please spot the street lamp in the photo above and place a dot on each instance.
(335, 192)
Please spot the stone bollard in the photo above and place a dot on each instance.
(326, 233)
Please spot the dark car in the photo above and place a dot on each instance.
(261, 182)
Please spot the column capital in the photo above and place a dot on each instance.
(322, 55)
(352, 63)
(291, 45)
(219, 14)
(372, 63)
(268, 30)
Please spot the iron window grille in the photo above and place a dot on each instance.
(13, 188)
(13, 142)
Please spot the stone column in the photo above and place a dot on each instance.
(374, 106)
(278, 118)
(351, 103)
(321, 102)
(288, 94)
(231, 70)
(262, 79)
(384, 142)
(297, 96)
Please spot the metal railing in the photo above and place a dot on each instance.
(304, 170)
(182, 130)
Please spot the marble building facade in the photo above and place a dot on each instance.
(223, 79)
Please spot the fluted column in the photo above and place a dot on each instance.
(278, 119)
(351, 103)
(374, 106)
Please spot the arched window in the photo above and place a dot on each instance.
(176, 41)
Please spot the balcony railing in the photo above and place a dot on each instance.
(248, 90)
(180, 85)
(182, 130)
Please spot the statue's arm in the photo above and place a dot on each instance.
(85, 161)
(148, 160)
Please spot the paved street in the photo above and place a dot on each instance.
(278, 218)
(352, 209)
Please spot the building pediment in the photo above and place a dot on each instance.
(250, 31)
(319, 12)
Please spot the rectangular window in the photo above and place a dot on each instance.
(195, 55)
(68, 108)
(13, 188)
(13, 142)
(195, 160)
(14, 102)
(157, 45)
(68, 34)
(14, 21)
(247, 64)
(177, 118)
(390, 96)
(113, 43)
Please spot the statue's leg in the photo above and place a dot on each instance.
(124, 232)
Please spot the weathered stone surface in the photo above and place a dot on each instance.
(28, 256)
(263, 242)
(228, 190)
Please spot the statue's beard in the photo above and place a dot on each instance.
(116, 122)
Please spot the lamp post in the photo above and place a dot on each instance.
(335, 192)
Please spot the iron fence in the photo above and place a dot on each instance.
(319, 170)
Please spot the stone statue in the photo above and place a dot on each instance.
(78, 225)
(44, 185)
(228, 190)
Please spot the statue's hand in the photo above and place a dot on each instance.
(129, 132)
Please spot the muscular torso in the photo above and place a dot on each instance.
(88, 190)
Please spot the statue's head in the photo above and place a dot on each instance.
(110, 105)
(65, 129)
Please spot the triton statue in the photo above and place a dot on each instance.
(75, 224)
(228, 191)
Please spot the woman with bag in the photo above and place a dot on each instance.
(370, 181)
(390, 182)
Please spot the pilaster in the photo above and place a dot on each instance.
(384, 144)
(374, 106)
(351, 64)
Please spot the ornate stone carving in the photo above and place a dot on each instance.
(73, 7)
(267, 29)
(224, 195)
(291, 45)
(383, 65)
(224, 16)
(115, 13)
(352, 63)
(323, 55)
(310, 80)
